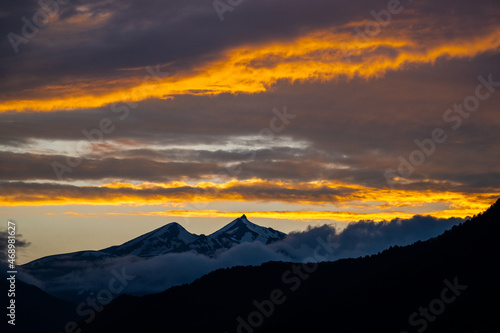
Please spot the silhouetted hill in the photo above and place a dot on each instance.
(36, 311)
(455, 275)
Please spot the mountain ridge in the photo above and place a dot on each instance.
(171, 238)
(236, 232)
(386, 292)
(158, 241)
(155, 241)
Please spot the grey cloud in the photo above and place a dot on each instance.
(26, 167)
(315, 244)
(184, 33)
(20, 243)
(37, 191)
(362, 125)
(368, 237)
(220, 155)
(270, 164)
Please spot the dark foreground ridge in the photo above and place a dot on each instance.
(446, 284)
(35, 310)
(56, 272)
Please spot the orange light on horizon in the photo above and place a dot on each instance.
(351, 201)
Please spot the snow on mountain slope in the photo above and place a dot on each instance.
(66, 275)
(238, 231)
(154, 243)
(61, 264)
(171, 238)
(242, 230)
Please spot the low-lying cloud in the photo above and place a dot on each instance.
(159, 273)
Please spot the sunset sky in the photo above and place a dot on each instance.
(117, 117)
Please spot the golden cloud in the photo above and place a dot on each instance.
(318, 56)
(352, 201)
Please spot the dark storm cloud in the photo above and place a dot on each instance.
(181, 33)
(295, 165)
(186, 119)
(26, 166)
(141, 33)
(362, 126)
(356, 115)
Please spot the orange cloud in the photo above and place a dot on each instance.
(351, 201)
(318, 56)
(301, 215)
(344, 216)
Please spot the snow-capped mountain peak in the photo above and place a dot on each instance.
(242, 230)
(170, 238)
(173, 238)
(156, 242)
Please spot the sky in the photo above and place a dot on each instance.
(117, 117)
(70, 277)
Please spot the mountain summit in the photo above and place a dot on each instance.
(239, 231)
(171, 238)
(242, 230)
(154, 243)
(444, 284)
